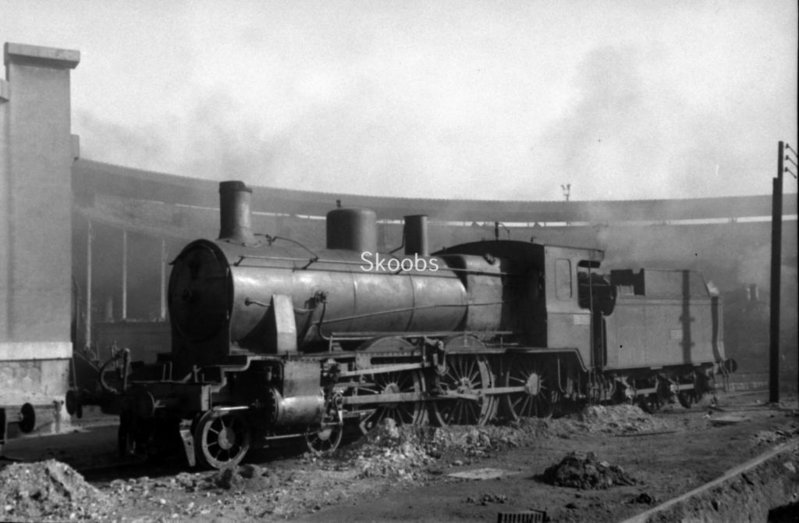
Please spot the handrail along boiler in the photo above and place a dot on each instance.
(273, 340)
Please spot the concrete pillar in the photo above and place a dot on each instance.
(5, 202)
(35, 224)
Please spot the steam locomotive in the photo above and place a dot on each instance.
(272, 339)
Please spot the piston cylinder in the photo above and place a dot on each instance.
(296, 410)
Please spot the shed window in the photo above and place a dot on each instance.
(563, 279)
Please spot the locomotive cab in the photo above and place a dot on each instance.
(574, 301)
(549, 292)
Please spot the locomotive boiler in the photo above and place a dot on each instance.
(272, 339)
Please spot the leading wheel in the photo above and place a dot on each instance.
(325, 440)
(221, 439)
(538, 397)
(466, 380)
(327, 437)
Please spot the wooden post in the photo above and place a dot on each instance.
(163, 279)
(89, 238)
(776, 265)
(124, 275)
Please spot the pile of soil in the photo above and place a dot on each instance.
(241, 478)
(390, 451)
(779, 435)
(585, 471)
(407, 452)
(471, 441)
(620, 419)
(47, 490)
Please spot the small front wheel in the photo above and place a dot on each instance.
(327, 438)
(221, 439)
(324, 441)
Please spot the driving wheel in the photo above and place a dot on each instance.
(463, 385)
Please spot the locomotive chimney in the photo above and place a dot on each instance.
(234, 213)
(415, 232)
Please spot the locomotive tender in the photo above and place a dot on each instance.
(273, 340)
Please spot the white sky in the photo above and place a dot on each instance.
(444, 99)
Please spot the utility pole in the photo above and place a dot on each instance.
(776, 265)
(567, 189)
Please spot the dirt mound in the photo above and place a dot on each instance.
(778, 435)
(240, 478)
(472, 441)
(584, 471)
(619, 419)
(391, 451)
(397, 451)
(47, 490)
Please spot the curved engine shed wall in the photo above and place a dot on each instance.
(733, 252)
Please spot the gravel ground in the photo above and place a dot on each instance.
(602, 464)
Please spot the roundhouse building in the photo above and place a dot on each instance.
(90, 274)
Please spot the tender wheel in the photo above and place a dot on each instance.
(467, 375)
(221, 439)
(701, 386)
(650, 403)
(402, 412)
(654, 401)
(686, 398)
(538, 397)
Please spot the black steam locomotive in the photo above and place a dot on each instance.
(274, 340)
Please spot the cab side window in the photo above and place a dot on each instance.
(563, 279)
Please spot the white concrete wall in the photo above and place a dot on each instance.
(35, 225)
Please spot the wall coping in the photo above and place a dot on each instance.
(40, 56)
